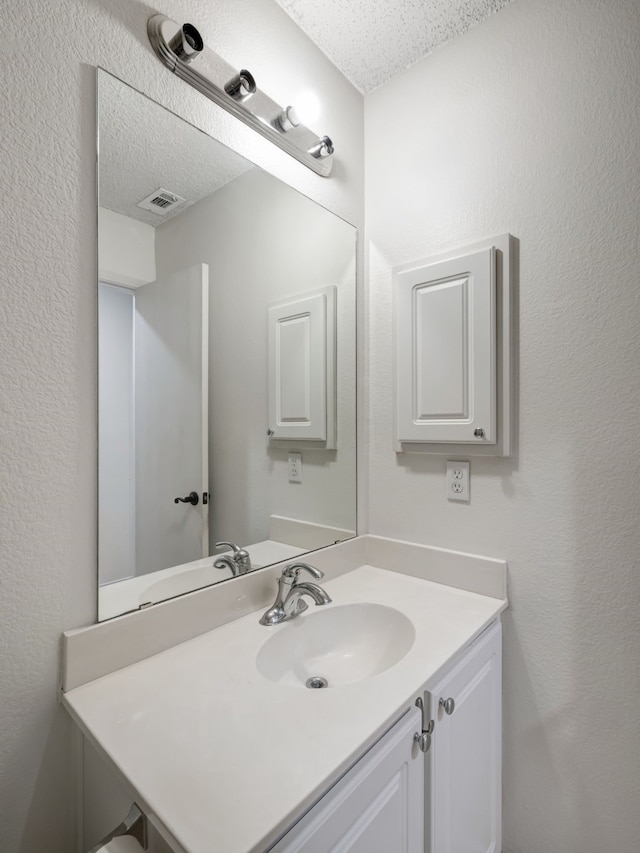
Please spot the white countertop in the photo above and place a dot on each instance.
(226, 760)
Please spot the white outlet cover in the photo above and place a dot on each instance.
(458, 477)
(295, 467)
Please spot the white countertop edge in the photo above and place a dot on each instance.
(360, 735)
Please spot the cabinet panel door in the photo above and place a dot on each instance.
(464, 763)
(445, 331)
(302, 368)
(377, 807)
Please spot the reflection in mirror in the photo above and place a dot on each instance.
(226, 361)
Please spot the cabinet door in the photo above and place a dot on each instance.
(302, 368)
(464, 763)
(445, 331)
(377, 807)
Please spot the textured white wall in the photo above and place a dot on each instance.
(529, 123)
(48, 318)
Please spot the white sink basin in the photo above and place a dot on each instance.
(342, 644)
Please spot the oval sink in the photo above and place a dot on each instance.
(342, 644)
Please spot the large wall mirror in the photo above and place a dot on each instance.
(226, 361)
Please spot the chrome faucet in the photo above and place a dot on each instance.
(238, 563)
(289, 601)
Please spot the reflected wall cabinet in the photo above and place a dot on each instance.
(452, 343)
(302, 346)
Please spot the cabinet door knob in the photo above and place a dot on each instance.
(478, 432)
(423, 739)
(448, 705)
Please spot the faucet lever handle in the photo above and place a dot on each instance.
(293, 571)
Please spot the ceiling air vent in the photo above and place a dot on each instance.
(161, 202)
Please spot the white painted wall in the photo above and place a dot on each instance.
(264, 243)
(48, 344)
(127, 249)
(116, 429)
(529, 123)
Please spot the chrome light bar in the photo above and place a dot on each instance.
(183, 51)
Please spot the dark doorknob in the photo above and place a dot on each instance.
(191, 498)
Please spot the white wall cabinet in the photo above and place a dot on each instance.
(302, 347)
(464, 779)
(377, 807)
(452, 347)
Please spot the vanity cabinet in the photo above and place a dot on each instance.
(377, 807)
(397, 799)
(463, 771)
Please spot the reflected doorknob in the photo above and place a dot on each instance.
(192, 498)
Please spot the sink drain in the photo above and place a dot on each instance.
(316, 682)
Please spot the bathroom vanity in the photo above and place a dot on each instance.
(220, 743)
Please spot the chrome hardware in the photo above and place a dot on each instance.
(478, 432)
(448, 705)
(192, 498)
(316, 682)
(239, 563)
(134, 824)
(423, 738)
(289, 603)
(293, 571)
(177, 46)
(322, 148)
(241, 86)
(270, 432)
(187, 43)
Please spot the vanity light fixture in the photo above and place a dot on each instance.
(182, 50)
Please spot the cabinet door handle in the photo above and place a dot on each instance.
(448, 705)
(423, 737)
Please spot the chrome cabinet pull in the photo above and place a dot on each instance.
(423, 738)
(448, 705)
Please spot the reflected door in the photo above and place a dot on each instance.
(171, 419)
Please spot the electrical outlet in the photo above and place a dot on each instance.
(295, 467)
(458, 481)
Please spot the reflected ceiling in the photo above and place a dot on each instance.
(138, 145)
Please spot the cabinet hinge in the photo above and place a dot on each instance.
(423, 738)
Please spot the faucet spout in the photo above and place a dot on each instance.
(316, 592)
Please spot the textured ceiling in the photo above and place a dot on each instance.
(372, 40)
(142, 148)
